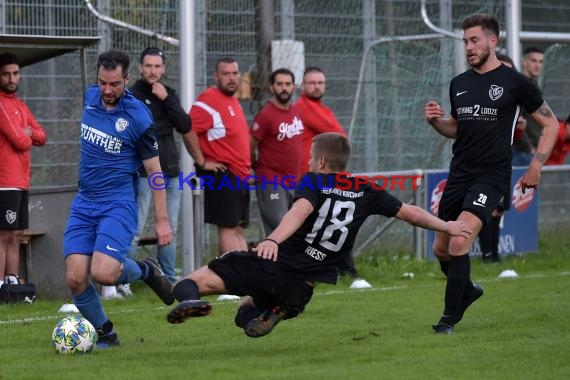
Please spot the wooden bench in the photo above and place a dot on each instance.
(26, 254)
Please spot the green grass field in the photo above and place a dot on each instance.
(518, 330)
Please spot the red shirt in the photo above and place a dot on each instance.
(222, 130)
(15, 144)
(279, 134)
(561, 146)
(317, 118)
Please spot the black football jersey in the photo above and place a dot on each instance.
(327, 236)
(486, 107)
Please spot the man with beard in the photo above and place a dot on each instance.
(276, 150)
(168, 117)
(219, 144)
(19, 130)
(117, 137)
(485, 104)
(317, 117)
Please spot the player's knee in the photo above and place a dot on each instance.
(459, 246)
(75, 281)
(103, 277)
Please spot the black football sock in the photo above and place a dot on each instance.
(444, 265)
(106, 329)
(186, 289)
(457, 283)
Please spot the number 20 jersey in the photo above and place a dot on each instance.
(486, 107)
(327, 236)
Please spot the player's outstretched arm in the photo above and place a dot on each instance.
(291, 222)
(419, 217)
(434, 116)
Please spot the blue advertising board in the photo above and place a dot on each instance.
(519, 225)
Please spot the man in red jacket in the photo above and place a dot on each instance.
(18, 132)
(316, 116)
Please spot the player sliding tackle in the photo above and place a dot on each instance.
(315, 235)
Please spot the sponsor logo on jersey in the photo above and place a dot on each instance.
(436, 196)
(290, 130)
(495, 92)
(110, 143)
(11, 216)
(459, 93)
(121, 125)
(521, 201)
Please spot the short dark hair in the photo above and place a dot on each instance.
(281, 71)
(9, 59)
(224, 60)
(335, 148)
(312, 69)
(532, 49)
(111, 59)
(152, 51)
(506, 58)
(488, 23)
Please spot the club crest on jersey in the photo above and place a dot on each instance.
(11, 216)
(495, 92)
(121, 125)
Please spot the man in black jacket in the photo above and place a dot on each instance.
(168, 116)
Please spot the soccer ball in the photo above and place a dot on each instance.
(74, 334)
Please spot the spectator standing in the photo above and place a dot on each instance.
(525, 142)
(219, 144)
(117, 137)
(276, 150)
(169, 117)
(19, 131)
(316, 116)
(484, 106)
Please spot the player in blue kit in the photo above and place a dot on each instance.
(314, 236)
(485, 105)
(117, 136)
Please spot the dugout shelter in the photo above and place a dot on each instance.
(41, 259)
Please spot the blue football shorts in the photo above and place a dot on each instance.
(106, 227)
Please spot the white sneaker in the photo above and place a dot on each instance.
(110, 292)
(360, 283)
(11, 279)
(125, 290)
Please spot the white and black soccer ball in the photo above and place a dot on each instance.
(74, 334)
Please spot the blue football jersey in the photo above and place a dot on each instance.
(111, 146)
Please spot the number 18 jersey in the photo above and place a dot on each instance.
(327, 236)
